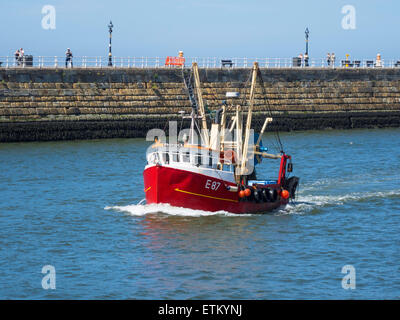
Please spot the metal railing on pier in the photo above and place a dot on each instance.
(203, 62)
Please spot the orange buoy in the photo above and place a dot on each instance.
(241, 194)
(247, 192)
(285, 194)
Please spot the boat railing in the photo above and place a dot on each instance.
(188, 156)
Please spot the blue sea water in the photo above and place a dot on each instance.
(74, 205)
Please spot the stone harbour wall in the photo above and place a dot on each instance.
(63, 104)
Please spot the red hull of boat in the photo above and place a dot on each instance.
(191, 190)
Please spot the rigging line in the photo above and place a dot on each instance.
(277, 136)
(244, 100)
(274, 142)
(199, 132)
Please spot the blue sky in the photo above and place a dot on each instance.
(201, 28)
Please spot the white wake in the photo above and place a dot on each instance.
(144, 209)
(304, 204)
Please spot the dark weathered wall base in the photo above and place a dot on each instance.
(73, 130)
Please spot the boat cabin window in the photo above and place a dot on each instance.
(175, 157)
(165, 157)
(197, 159)
(186, 157)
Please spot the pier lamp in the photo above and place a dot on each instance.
(306, 57)
(110, 27)
(307, 32)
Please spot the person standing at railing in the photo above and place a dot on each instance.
(378, 62)
(333, 59)
(16, 54)
(181, 58)
(68, 58)
(300, 56)
(328, 59)
(306, 60)
(21, 56)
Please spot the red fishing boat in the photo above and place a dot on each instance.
(215, 170)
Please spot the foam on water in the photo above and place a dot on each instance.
(304, 204)
(143, 209)
(307, 203)
(355, 180)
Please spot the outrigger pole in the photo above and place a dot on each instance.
(248, 122)
(267, 120)
(204, 130)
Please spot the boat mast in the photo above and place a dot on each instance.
(223, 124)
(239, 135)
(248, 122)
(202, 114)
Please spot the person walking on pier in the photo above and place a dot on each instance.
(68, 58)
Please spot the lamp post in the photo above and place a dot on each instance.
(110, 26)
(307, 32)
(306, 54)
